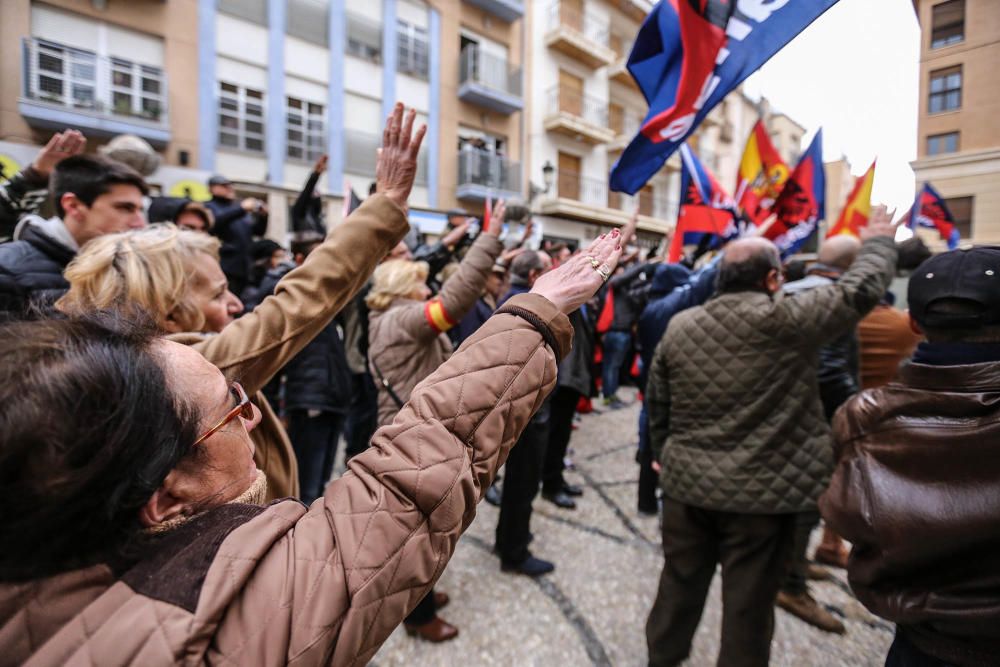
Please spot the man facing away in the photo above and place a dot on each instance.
(917, 486)
(93, 196)
(734, 406)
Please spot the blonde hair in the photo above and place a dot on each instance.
(395, 279)
(152, 268)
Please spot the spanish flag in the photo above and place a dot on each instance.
(858, 209)
(761, 176)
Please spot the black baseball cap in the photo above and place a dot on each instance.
(218, 179)
(970, 275)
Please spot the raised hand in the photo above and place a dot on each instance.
(879, 224)
(61, 146)
(496, 219)
(628, 231)
(457, 233)
(576, 280)
(320, 165)
(396, 168)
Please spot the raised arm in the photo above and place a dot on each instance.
(256, 346)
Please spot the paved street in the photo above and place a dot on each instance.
(592, 609)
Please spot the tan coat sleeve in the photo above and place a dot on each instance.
(459, 293)
(345, 574)
(256, 346)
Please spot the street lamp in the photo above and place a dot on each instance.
(548, 176)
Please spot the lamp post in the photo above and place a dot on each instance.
(548, 176)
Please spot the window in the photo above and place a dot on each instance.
(254, 11)
(961, 211)
(136, 90)
(412, 50)
(942, 143)
(946, 90)
(305, 130)
(241, 118)
(364, 38)
(947, 23)
(309, 20)
(63, 75)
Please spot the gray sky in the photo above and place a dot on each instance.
(854, 72)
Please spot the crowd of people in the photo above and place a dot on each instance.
(175, 386)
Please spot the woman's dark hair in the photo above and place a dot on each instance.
(90, 430)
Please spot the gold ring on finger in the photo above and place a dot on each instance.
(605, 271)
(594, 262)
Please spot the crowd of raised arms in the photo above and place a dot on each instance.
(174, 387)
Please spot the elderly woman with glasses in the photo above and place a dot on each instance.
(175, 276)
(130, 502)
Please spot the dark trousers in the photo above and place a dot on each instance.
(563, 408)
(753, 550)
(520, 484)
(903, 653)
(424, 612)
(616, 345)
(362, 418)
(648, 479)
(797, 580)
(314, 439)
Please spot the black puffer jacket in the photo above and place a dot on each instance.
(31, 271)
(318, 377)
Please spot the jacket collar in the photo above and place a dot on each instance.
(965, 378)
(48, 235)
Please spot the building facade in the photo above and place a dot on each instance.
(958, 136)
(258, 89)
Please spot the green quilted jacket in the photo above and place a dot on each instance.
(735, 415)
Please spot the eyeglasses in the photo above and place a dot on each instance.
(244, 408)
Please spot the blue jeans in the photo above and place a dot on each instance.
(616, 344)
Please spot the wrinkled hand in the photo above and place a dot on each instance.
(496, 219)
(396, 168)
(320, 165)
(879, 224)
(61, 146)
(457, 233)
(576, 280)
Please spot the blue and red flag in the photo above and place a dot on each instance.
(688, 55)
(705, 207)
(929, 210)
(802, 202)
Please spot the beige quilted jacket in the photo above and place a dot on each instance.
(407, 341)
(733, 398)
(249, 585)
(258, 345)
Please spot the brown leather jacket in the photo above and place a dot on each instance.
(283, 584)
(258, 345)
(917, 492)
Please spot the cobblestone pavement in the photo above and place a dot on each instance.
(592, 610)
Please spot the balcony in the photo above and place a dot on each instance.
(489, 82)
(482, 174)
(625, 123)
(579, 116)
(579, 36)
(68, 87)
(505, 10)
(361, 151)
(589, 200)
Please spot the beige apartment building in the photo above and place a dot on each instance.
(958, 132)
(258, 89)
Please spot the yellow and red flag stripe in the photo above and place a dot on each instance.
(858, 209)
(762, 175)
(437, 316)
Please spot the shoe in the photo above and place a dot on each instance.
(560, 499)
(493, 495)
(530, 566)
(437, 631)
(806, 608)
(817, 573)
(441, 600)
(832, 558)
(572, 490)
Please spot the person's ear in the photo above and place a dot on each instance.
(171, 324)
(914, 327)
(72, 205)
(162, 506)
